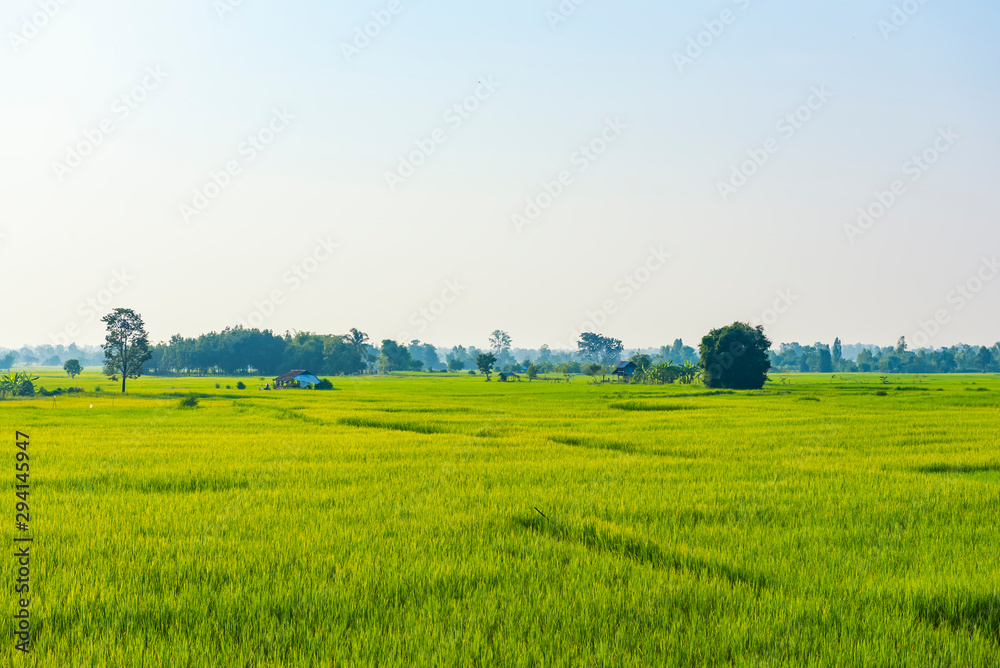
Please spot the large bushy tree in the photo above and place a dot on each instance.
(735, 357)
(126, 346)
(73, 368)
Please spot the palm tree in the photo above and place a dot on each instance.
(356, 339)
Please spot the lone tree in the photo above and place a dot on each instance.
(485, 362)
(73, 368)
(126, 347)
(736, 357)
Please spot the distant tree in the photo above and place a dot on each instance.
(342, 356)
(485, 362)
(598, 348)
(395, 357)
(7, 361)
(73, 368)
(593, 369)
(427, 353)
(359, 341)
(499, 342)
(901, 346)
(984, 359)
(838, 355)
(126, 346)
(457, 358)
(532, 372)
(825, 358)
(356, 339)
(736, 357)
(590, 346)
(544, 355)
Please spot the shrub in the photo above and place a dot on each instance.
(98, 389)
(228, 387)
(881, 393)
(217, 386)
(241, 385)
(472, 373)
(189, 402)
(324, 384)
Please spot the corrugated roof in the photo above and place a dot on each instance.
(292, 374)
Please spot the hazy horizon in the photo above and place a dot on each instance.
(213, 163)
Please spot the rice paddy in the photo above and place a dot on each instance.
(440, 520)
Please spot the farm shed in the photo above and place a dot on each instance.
(508, 377)
(298, 377)
(624, 370)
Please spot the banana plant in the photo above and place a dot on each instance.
(17, 384)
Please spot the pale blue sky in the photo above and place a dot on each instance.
(656, 186)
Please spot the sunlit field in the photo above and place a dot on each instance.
(441, 520)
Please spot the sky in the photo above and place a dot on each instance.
(437, 170)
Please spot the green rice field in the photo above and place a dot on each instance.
(440, 520)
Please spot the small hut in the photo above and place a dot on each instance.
(297, 378)
(624, 370)
(506, 377)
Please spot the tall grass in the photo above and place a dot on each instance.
(449, 521)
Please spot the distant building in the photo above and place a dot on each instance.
(624, 370)
(298, 377)
(506, 377)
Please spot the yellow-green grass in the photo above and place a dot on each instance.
(442, 520)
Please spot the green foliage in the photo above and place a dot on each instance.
(485, 362)
(598, 348)
(735, 357)
(241, 385)
(323, 384)
(73, 368)
(395, 357)
(17, 384)
(126, 346)
(190, 401)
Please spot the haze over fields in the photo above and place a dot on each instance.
(650, 170)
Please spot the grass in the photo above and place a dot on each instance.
(441, 520)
